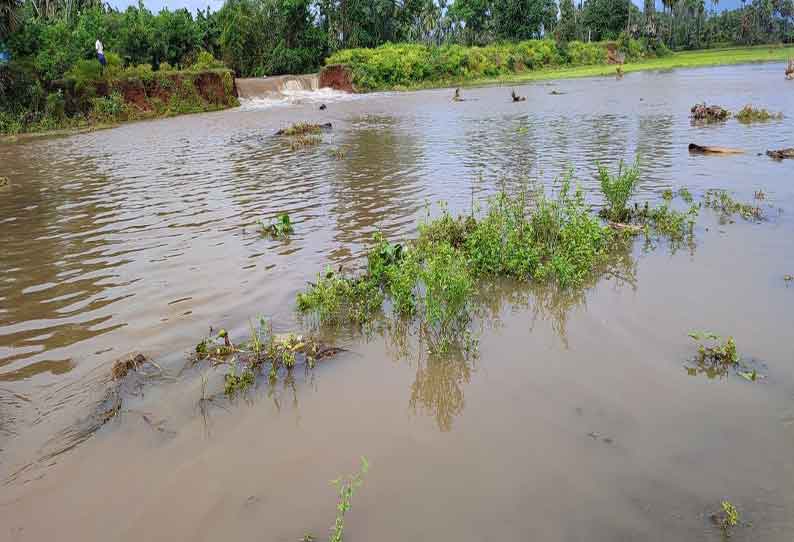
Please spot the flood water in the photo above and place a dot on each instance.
(578, 420)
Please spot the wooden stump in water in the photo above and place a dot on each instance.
(707, 149)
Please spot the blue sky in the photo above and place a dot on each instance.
(193, 5)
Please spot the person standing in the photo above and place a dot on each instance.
(100, 53)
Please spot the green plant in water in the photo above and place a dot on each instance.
(618, 189)
(686, 195)
(667, 195)
(280, 228)
(301, 129)
(751, 114)
(712, 349)
(721, 202)
(234, 383)
(729, 518)
(339, 299)
(346, 489)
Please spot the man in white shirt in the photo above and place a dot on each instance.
(100, 53)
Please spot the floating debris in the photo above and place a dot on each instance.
(709, 149)
(323, 107)
(4, 182)
(457, 97)
(781, 154)
(790, 69)
(556, 92)
(517, 98)
(710, 113)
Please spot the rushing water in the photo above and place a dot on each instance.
(577, 422)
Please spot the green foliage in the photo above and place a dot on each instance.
(435, 276)
(712, 349)
(722, 202)
(279, 229)
(730, 518)
(235, 383)
(110, 108)
(205, 61)
(750, 114)
(346, 488)
(618, 189)
(585, 54)
(56, 105)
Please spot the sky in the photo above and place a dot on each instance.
(193, 5)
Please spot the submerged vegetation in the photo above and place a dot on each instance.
(528, 235)
(716, 357)
(279, 229)
(750, 114)
(722, 202)
(619, 189)
(346, 489)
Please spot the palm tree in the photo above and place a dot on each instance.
(8, 17)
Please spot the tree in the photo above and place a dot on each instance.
(567, 29)
(8, 17)
(606, 19)
(523, 19)
(474, 17)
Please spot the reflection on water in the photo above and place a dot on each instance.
(139, 238)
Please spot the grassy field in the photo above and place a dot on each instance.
(685, 59)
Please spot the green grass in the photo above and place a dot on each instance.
(684, 59)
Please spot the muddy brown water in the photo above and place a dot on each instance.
(577, 421)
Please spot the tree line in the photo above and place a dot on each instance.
(264, 37)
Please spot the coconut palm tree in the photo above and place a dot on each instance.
(8, 10)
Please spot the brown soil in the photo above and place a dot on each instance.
(337, 77)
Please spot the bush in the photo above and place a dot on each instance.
(618, 189)
(205, 61)
(404, 65)
(56, 105)
(84, 73)
(585, 54)
(108, 108)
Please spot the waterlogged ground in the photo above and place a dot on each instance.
(577, 421)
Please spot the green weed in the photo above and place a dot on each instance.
(281, 228)
(728, 519)
(618, 189)
(301, 129)
(751, 114)
(685, 195)
(721, 202)
(667, 195)
(235, 383)
(346, 488)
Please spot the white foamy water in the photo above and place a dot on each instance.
(289, 96)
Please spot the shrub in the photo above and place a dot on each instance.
(56, 105)
(585, 54)
(108, 108)
(205, 61)
(618, 189)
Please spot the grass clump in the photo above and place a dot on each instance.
(750, 114)
(722, 202)
(302, 141)
(618, 189)
(336, 298)
(664, 221)
(279, 229)
(546, 239)
(301, 129)
(685, 194)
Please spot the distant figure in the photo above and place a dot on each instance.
(517, 98)
(790, 69)
(323, 107)
(457, 97)
(100, 54)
